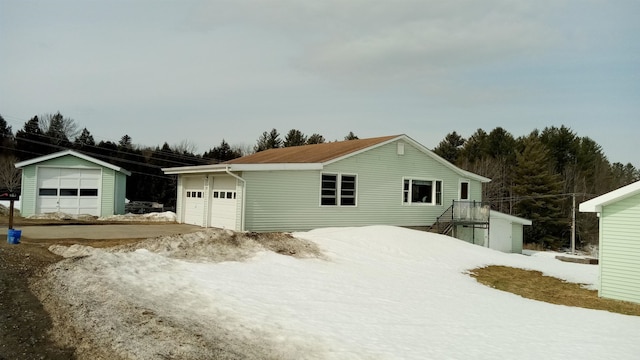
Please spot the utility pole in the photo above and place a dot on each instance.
(573, 224)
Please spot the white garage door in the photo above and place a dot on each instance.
(223, 209)
(194, 207)
(224, 203)
(193, 200)
(71, 191)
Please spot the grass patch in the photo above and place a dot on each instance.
(534, 285)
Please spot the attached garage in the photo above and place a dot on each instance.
(209, 200)
(72, 183)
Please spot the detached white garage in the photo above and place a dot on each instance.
(72, 183)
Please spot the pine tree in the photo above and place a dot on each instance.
(351, 136)
(268, 140)
(450, 147)
(538, 192)
(31, 142)
(85, 139)
(294, 138)
(315, 139)
(222, 153)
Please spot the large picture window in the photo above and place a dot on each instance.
(338, 189)
(419, 191)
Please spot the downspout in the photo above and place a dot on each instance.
(244, 195)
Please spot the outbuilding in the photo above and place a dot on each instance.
(391, 180)
(506, 232)
(73, 183)
(619, 252)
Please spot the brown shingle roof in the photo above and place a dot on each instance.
(317, 153)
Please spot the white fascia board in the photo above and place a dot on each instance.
(197, 169)
(72, 153)
(241, 167)
(596, 204)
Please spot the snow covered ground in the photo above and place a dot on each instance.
(377, 292)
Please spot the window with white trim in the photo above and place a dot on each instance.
(421, 191)
(338, 189)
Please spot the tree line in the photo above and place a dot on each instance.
(49, 133)
(537, 176)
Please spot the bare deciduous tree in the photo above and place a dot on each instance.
(9, 175)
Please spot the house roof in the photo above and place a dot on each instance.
(596, 204)
(312, 157)
(511, 218)
(316, 153)
(71, 153)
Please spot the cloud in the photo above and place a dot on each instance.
(370, 41)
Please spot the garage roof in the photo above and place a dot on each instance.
(71, 153)
(596, 204)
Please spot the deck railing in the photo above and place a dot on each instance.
(466, 212)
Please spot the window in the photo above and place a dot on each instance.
(88, 192)
(68, 192)
(338, 189)
(47, 192)
(464, 190)
(416, 191)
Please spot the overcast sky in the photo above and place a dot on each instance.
(206, 70)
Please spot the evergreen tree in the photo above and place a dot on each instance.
(85, 139)
(351, 136)
(268, 140)
(476, 147)
(450, 147)
(294, 138)
(222, 153)
(315, 139)
(125, 143)
(538, 192)
(31, 142)
(6, 137)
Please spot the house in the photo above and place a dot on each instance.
(619, 218)
(72, 183)
(506, 232)
(389, 180)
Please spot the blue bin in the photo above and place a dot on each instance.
(13, 236)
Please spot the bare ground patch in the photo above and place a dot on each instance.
(534, 285)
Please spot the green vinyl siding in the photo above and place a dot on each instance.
(28, 191)
(290, 200)
(620, 250)
(119, 192)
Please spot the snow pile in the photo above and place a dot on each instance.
(62, 216)
(379, 293)
(166, 216)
